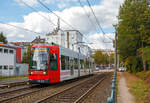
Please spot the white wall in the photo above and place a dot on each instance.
(7, 59)
(56, 38)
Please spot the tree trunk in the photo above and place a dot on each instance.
(144, 65)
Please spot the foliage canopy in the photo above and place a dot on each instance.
(3, 38)
(133, 32)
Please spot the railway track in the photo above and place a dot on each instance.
(11, 90)
(12, 94)
(53, 93)
(16, 94)
(9, 85)
(74, 94)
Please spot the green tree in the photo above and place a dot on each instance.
(26, 55)
(3, 38)
(111, 58)
(133, 32)
(100, 58)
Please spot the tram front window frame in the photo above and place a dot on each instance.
(39, 58)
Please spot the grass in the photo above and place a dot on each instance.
(138, 88)
(13, 77)
(144, 75)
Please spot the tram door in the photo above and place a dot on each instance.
(54, 65)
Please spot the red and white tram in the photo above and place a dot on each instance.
(53, 64)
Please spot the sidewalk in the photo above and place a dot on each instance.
(123, 93)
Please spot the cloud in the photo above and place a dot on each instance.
(102, 42)
(106, 13)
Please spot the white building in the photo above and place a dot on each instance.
(55, 37)
(68, 38)
(7, 60)
(73, 39)
(10, 61)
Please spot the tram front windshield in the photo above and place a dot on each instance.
(39, 59)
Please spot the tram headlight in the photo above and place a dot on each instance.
(31, 73)
(44, 73)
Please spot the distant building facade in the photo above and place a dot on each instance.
(21, 44)
(38, 40)
(104, 51)
(68, 38)
(7, 60)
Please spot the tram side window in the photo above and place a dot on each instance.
(67, 62)
(93, 65)
(90, 65)
(64, 62)
(86, 64)
(71, 63)
(75, 63)
(53, 62)
(82, 64)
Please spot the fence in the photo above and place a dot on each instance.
(112, 98)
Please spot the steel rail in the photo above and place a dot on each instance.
(13, 97)
(64, 90)
(92, 88)
(17, 89)
(24, 94)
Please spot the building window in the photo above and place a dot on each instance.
(5, 50)
(5, 67)
(11, 51)
(1, 50)
(1, 67)
(11, 67)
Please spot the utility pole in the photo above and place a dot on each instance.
(143, 59)
(79, 61)
(58, 24)
(116, 52)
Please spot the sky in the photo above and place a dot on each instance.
(36, 18)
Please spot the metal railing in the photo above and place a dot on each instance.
(112, 98)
